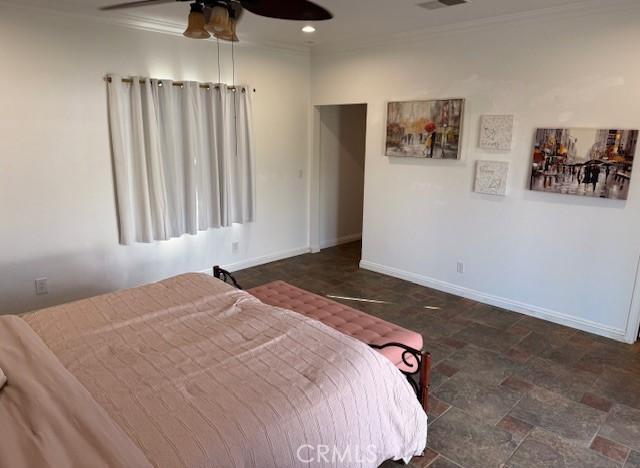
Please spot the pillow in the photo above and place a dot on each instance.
(3, 379)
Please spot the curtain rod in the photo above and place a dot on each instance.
(175, 83)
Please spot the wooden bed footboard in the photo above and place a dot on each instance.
(417, 363)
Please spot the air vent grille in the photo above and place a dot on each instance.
(436, 4)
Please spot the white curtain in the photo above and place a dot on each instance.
(182, 155)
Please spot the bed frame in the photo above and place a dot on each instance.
(417, 362)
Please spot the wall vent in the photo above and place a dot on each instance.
(436, 4)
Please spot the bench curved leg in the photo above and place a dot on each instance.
(419, 365)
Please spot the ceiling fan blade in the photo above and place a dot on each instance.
(302, 10)
(139, 3)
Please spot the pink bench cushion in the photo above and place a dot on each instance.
(352, 322)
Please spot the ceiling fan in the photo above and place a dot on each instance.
(220, 17)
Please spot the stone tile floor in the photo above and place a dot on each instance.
(508, 390)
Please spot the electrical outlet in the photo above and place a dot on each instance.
(460, 267)
(300, 174)
(235, 247)
(41, 286)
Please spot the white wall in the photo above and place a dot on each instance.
(572, 260)
(57, 208)
(342, 154)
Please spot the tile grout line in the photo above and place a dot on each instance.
(601, 425)
(614, 441)
(433, 461)
(451, 461)
(524, 394)
(506, 462)
(443, 413)
(445, 458)
(529, 432)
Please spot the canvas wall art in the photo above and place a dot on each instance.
(496, 132)
(425, 129)
(585, 162)
(491, 177)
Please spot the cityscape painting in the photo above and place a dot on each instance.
(584, 162)
(425, 129)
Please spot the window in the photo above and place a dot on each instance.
(183, 157)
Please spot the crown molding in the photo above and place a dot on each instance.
(131, 21)
(176, 29)
(141, 23)
(577, 9)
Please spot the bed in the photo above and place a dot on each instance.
(190, 372)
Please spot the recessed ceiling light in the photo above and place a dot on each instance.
(309, 29)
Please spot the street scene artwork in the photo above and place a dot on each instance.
(425, 129)
(585, 162)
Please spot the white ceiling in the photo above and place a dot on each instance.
(355, 21)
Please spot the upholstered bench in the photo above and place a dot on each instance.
(401, 346)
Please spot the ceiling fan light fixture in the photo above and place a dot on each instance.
(308, 29)
(219, 21)
(195, 28)
(230, 33)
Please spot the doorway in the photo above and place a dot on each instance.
(633, 322)
(339, 160)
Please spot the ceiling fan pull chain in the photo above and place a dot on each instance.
(235, 92)
(219, 75)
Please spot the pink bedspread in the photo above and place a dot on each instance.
(201, 375)
(47, 418)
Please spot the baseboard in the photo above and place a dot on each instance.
(516, 306)
(256, 261)
(340, 240)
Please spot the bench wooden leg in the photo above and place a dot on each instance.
(425, 381)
